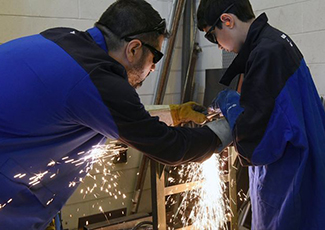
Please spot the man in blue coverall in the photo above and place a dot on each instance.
(64, 91)
(278, 121)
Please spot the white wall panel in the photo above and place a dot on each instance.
(288, 18)
(314, 15)
(40, 8)
(267, 4)
(174, 82)
(12, 27)
(93, 9)
(311, 46)
(317, 71)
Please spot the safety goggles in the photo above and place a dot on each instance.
(160, 28)
(210, 35)
(157, 55)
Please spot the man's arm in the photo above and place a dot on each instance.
(117, 112)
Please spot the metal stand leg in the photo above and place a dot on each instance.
(158, 196)
(232, 188)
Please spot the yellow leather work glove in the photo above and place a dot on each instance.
(51, 226)
(189, 111)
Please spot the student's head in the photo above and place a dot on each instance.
(226, 22)
(134, 32)
(201, 22)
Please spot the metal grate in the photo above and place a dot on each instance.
(227, 59)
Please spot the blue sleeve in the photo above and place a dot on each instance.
(85, 106)
(113, 108)
(104, 101)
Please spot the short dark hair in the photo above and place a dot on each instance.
(201, 22)
(126, 17)
(214, 9)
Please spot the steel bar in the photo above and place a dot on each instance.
(139, 186)
(163, 78)
(186, 39)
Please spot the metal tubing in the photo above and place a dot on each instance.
(158, 196)
(189, 84)
(140, 183)
(187, 37)
(163, 79)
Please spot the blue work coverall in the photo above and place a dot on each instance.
(60, 94)
(281, 132)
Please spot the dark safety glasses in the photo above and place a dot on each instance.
(210, 35)
(160, 28)
(157, 55)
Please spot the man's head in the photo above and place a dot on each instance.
(134, 33)
(226, 22)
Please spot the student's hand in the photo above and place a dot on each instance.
(189, 111)
(228, 102)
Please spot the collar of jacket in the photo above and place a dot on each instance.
(98, 37)
(239, 63)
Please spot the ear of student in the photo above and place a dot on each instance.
(228, 20)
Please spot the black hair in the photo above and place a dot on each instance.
(125, 17)
(214, 9)
(201, 23)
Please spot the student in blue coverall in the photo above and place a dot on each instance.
(64, 91)
(278, 121)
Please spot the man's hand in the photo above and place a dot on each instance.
(189, 111)
(228, 102)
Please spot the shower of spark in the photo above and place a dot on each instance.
(100, 159)
(105, 180)
(211, 207)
